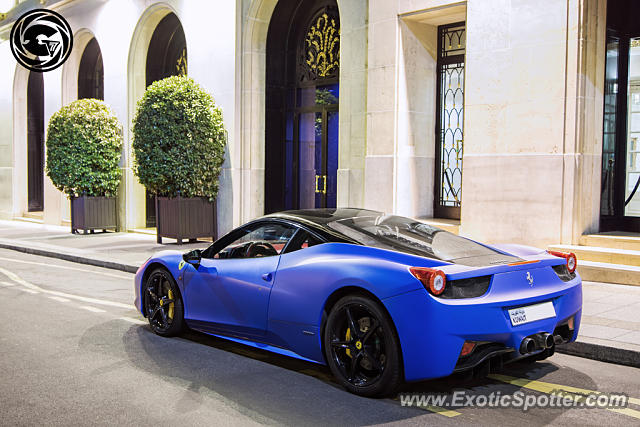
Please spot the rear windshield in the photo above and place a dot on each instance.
(407, 235)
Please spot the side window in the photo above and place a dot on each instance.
(265, 240)
(303, 240)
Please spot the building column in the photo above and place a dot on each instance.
(586, 55)
(381, 148)
(527, 81)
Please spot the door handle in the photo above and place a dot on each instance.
(267, 277)
(324, 182)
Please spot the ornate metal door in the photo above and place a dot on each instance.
(312, 152)
(449, 120)
(301, 117)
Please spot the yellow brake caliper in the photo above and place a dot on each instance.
(170, 313)
(348, 338)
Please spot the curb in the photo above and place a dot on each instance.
(602, 353)
(128, 268)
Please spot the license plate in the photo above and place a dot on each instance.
(531, 313)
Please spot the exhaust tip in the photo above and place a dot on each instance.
(548, 340)
(527, 346)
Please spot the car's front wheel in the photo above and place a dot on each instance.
(362, 348)
(163, 305)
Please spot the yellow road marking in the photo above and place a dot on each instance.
(7, 284)
(436, 409)
(626, 411)
(442, 411)
(549, 388)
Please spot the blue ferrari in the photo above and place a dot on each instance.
(380, 299)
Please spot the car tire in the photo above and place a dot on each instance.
(163, 303)
(367, 362)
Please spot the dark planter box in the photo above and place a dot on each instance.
(185, 218)
(93, 213)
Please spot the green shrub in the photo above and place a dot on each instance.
(84, 143)
(179, 139)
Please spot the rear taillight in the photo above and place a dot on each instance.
(572, 261)
(433, 280)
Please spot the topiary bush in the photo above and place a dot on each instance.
(179, 139)
(84, 143)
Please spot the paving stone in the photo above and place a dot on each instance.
(631, 337)
(603, 332)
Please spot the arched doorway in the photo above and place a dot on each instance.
(302, 92)
(91, 72)
(166, 56)
(35, 142)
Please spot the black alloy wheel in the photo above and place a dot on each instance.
(362, 348)
(163, 305)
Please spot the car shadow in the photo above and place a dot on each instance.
(261, 385)
(270, 388)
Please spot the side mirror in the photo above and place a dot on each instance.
(193, 257)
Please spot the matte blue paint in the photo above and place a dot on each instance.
(283, 313)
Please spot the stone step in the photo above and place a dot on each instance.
(33, 215)
(30, 219)
(147, 230)
(600, 254)
(629, 241)
(609, 273)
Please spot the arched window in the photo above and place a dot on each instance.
(91, 72)
(167, 56)
(35, 142)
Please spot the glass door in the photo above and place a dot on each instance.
(632, 155)
(449, 118)
(620, 185)
(310, 164)
(311, 156)
(610, 127)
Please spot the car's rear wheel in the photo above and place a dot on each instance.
(163, 305)
(362, 348)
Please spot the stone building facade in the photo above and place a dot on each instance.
(486, 111)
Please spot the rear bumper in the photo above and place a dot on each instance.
(432, 331)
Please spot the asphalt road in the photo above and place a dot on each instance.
(73, 350)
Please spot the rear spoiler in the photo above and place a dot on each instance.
(457, 271)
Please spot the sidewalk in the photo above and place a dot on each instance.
(610, 329)
(119, 251)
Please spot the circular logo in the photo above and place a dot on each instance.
(41, 40)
